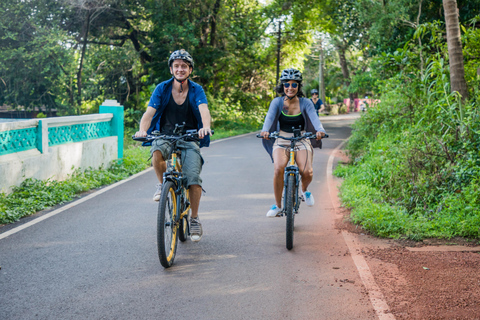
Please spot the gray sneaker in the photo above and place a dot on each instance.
(196, 230)
(158, 192)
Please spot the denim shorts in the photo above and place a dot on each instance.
(191, 158)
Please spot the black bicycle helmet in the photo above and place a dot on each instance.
(181, 55)
(314, 91)
(291, 74)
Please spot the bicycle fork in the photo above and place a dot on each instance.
(290, 170)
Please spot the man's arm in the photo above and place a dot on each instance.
(206, 120)
(145, 122)
(322, 106)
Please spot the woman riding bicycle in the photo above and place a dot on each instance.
(291, 110)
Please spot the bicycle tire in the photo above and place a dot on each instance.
(167, 234)
(289, 213)
(184, 227)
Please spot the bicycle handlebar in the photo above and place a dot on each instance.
(193, 134)
(306, 135)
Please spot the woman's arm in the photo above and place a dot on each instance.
(271, 114)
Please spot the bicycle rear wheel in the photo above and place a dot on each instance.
(289, 199)
(166, 228)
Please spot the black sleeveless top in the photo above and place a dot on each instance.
(177, 114)
(288, 122)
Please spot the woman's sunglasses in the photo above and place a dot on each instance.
(287, 85)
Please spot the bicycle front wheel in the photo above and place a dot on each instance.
(166, 225)
(289, 202)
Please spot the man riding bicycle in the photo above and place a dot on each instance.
(177, 101)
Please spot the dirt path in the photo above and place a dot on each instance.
(433, 279)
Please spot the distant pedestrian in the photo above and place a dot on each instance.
(317, 102)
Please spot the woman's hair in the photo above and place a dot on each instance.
(279, 89)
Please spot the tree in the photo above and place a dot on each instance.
(457, 71)
(30, 54)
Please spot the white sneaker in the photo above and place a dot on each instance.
(158, 192)
(308, 197)
(274, 211)
(196, 230)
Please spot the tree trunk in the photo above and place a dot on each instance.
(420, 37)
(343, 63)
(213, 23)
(457, 71)
(82, 57)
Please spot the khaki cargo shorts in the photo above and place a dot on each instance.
(191, 158)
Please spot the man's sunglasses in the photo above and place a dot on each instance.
(287, 85)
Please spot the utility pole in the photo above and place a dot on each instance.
(321, 80)
(279, 46)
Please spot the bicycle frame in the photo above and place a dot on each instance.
(292, 169)
(175, 175)
(291, 179)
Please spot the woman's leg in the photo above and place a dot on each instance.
(280, 160)
(303, 158)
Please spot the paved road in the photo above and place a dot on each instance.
(98, 259)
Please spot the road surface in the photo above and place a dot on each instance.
(98, 259)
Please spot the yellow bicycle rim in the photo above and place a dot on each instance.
(174, 226)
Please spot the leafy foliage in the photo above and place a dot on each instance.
(416, 163)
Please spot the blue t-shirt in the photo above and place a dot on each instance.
(317, 105)
(159, 100)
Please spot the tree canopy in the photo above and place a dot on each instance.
(70, 55)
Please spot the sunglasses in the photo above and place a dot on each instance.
(287, 85)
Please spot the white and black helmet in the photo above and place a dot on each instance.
(291, 74)
(181, 54)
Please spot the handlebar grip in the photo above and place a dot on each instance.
(142, 139)
(325, 136)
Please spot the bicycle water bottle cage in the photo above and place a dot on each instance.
(178, 128)
(297, 132)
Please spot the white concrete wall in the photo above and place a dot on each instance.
(57, 163)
